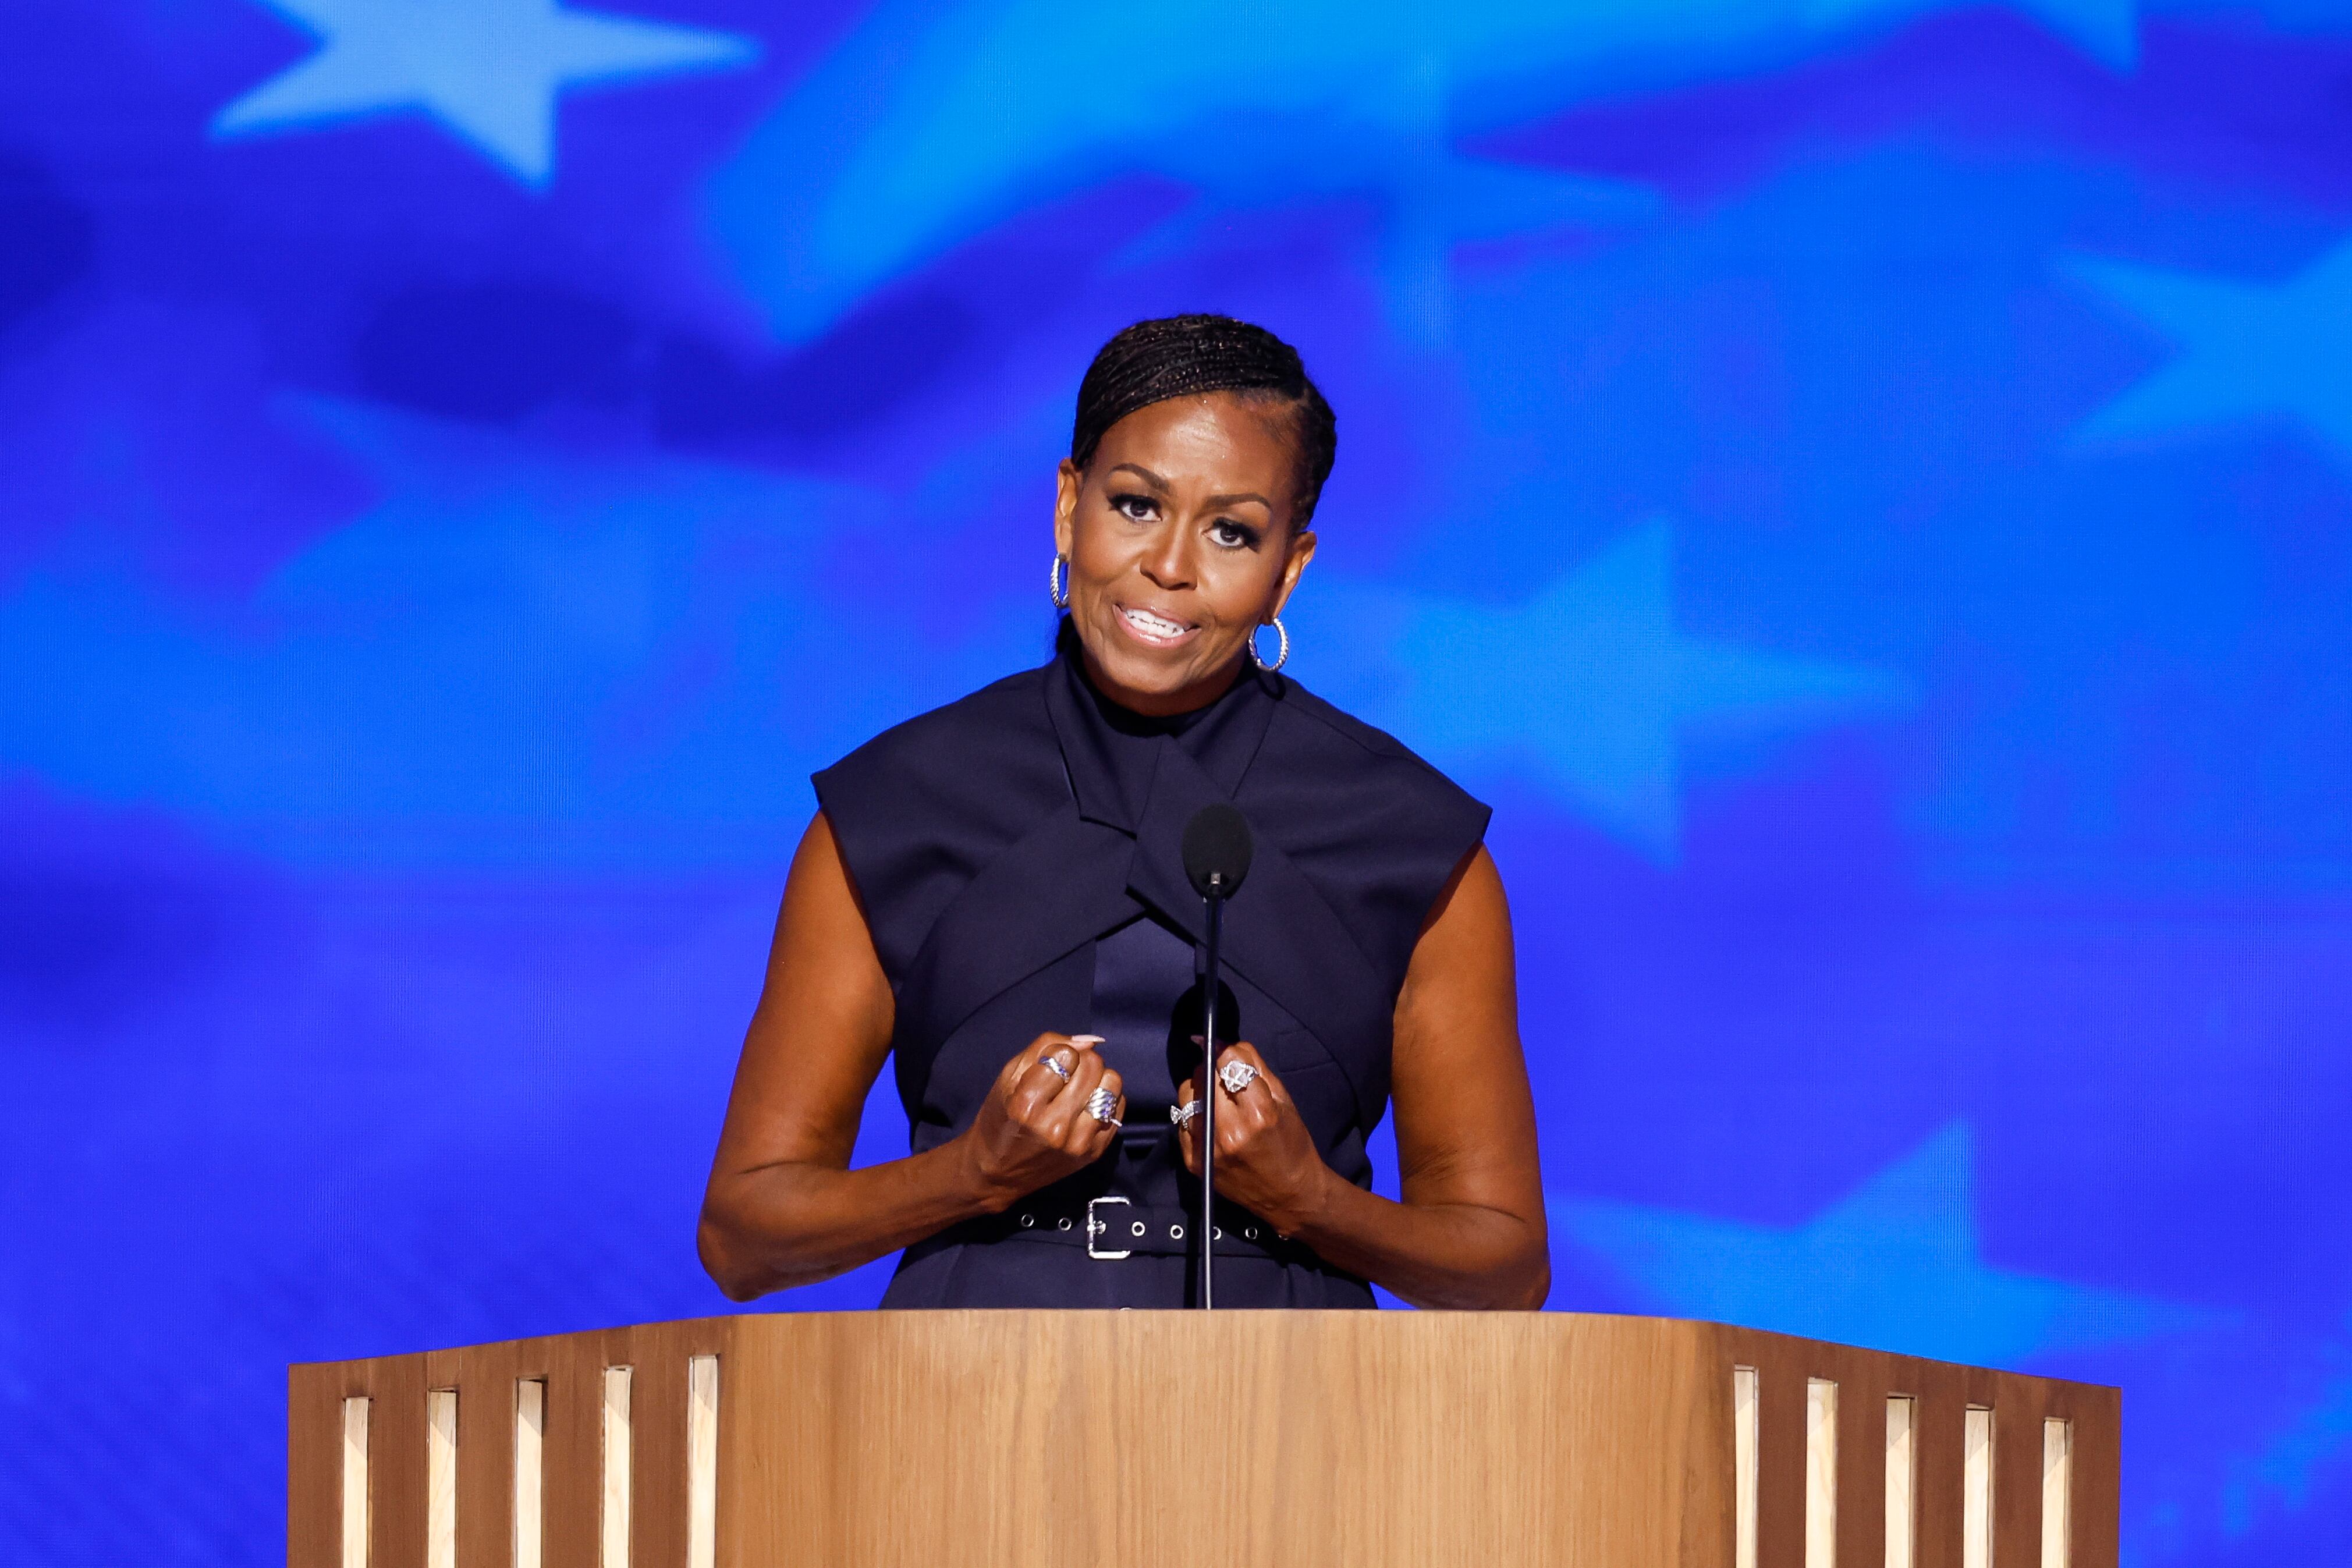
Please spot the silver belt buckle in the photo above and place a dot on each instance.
(1097, 1225)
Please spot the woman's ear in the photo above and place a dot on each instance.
(1302, 551)
(1069, 479)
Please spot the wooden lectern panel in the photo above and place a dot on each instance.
(1147, 1439)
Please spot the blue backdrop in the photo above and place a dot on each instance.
(1861, 484)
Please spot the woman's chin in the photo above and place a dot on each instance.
(1136, 673)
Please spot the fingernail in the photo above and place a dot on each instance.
(1199, 1041)
(1083, 1041)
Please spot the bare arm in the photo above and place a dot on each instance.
(782, 1208)
(1470, 1232)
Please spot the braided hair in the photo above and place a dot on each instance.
(1188, 356)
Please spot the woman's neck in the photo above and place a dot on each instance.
(1188, 698)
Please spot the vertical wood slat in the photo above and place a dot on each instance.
(572, 1448)
(2057, 1492)
(1744, 1432)
(354, 1481)
(397, 1448)
(441, 1477)
(1977, 1488)
(1820, 1473)
(529, 1506)
(1862, 1459)
(702, 1463)
(613, 1493)
(1780, 1460)
(657, 1446)
(1938, 1484)
(1902, 1472)
(484, 1379)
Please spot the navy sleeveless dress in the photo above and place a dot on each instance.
(1017, 857)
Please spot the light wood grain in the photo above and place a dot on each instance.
(1046, 1440)
(702, 1462)
(1821, 1472)
(1743, 1463)
(615, 1494)
(2057, 1491)
(1902, 1473)
(355, 1506)
(1977, 1484)
(530, 1450)
(441, 1479)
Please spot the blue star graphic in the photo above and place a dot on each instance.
(1591, 686)
(489, 71)
(1896, 1266)
(2250, 350)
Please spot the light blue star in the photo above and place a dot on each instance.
(2251, 351)
(489, 71)
(1590, 685)
(1897, 1266)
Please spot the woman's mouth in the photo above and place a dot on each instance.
(1154, 630)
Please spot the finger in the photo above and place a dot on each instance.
(1038, 1083)
(1187, 1134)
(1241, 1055)
(1267, 1079)
(1095, 1132)
(1116, 1085)
(1066, 1120)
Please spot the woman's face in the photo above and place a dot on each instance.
(1180, 542)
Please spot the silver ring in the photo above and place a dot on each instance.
(1182, 1115)
(1100, 1105)
(1236, 1076)
(1051, 1060)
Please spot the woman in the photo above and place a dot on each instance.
(1005, 870)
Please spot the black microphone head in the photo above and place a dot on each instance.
(1217, 849)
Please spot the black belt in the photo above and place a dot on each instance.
(1109, 1229)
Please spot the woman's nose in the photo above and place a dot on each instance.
(1168, 562)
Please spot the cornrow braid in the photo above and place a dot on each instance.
(1189, 356)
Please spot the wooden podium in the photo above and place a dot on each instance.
(941, 1440)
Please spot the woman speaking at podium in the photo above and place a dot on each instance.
(991, 894)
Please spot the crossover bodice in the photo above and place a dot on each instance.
(1017, 857)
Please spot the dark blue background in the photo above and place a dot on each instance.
(1863, 487)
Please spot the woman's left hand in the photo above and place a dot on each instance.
(1266, 1159)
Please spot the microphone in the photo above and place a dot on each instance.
(1217, 850)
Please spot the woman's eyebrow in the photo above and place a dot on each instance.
(1146, 475)
(1237, 498)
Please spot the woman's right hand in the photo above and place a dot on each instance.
(1035, 1127)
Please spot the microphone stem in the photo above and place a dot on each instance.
(1211, 989)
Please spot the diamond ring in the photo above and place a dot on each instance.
(1100, 1105)
(1054, 1062)
(1183, 1115)
(1236, 1076)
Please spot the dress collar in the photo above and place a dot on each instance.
(1112, 755)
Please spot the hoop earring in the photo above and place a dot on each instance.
(1280, 659)
(1057, 582)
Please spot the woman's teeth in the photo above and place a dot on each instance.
(1156, 627)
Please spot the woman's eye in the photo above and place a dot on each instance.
(1232, 535)
(1139, 509)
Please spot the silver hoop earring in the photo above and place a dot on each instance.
(1057, 582)
(1280, 659)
